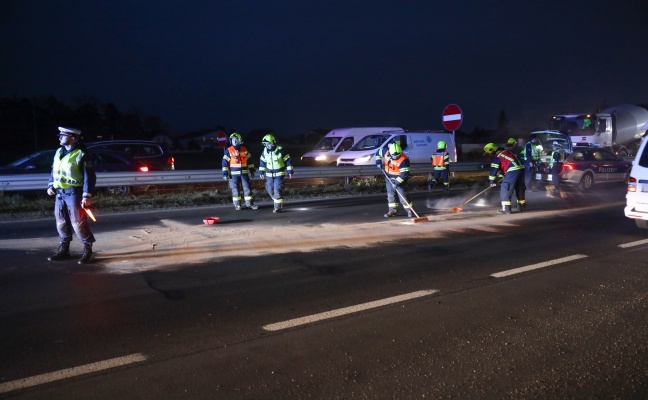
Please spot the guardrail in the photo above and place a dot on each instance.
(27, 182)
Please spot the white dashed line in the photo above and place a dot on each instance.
(536, 266)
(346, 310)
(632, 244)
(70, 372)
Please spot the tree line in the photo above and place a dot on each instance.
(31, 124)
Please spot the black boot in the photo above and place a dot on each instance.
(87, 256)
(522, 206)
(505, 209)
(62, 253)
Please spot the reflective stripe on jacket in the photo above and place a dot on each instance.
(397, 169)
(235, 161)
(529, 152)
(503, 160)
(275, 163)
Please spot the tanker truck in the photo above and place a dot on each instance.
(619, 129)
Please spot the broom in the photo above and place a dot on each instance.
(457, 209)
(414, 220)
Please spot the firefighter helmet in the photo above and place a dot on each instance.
(511, 142)
(395, 150)
(236, 136)
(441, 144)
(269, 139)
(490, 148)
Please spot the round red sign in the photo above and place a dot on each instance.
(222, 139)
(452, 117)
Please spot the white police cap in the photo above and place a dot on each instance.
(70, 131)
(556, 144)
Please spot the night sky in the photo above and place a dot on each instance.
(291, 66)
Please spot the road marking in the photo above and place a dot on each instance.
(536, 266)
(346, 310)
(632, 244)
(70, 372)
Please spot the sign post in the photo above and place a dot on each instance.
(452, 117)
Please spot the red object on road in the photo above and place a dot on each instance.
(452, 117)
(211, 220)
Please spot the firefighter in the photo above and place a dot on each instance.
(556, 164)
(395, 165)
(530, 157)
(505, 161)
(274, 165)
(238, 171)
(72, 181)
(511, 144)
(441, 162)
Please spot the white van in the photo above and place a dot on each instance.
(417, 145)
(637, 196)
(327, 151)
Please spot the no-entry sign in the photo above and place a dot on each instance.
(222, 139)
(452, 117)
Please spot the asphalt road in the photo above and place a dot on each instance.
(331, 300)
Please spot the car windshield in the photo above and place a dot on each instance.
(327, 143)
(547, 140)
(370, 142)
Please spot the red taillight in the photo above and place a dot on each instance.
(632, 184)
(143, 168)
(568, 167)
(170, 161)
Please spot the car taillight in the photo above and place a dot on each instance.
(568, 167)
(143, 168)
(632, 184)
(170, 161)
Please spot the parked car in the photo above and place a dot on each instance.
(104, 161)
(637, 196)
(587, 166)
(155, 155)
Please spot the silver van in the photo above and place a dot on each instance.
(327, 151)
(637, 196)
(417, 145)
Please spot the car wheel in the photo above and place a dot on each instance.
(641, 223)
(586, 181)
(623, 153)
(118, 190)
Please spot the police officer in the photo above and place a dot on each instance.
(274, 165)
(441, 163)
(505, 161)
(238, 171)
(530, 157)
(396, 166)
(556, 163)
(73, 181)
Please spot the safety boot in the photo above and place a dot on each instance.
(522, 207)
(506, 209)
(410, 214)
(251, 206)
(446, 188)
(237, 206)
(390, 213)
(62, 253)
(87, 255)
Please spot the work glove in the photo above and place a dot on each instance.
(262, 175)
(289, 176)
(225, 177)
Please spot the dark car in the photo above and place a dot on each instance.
(104, 161)
(155, 155)
(587, 166)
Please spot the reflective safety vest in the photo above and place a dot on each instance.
(67, 171)
(557, 156)
(235, 161)
(275, 163)
(397, 169)
(440, 159)
(529, 152)
(504, 160)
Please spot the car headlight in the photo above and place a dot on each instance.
(320, 158)
(363, 159)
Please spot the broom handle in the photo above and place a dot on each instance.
(472, 198)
